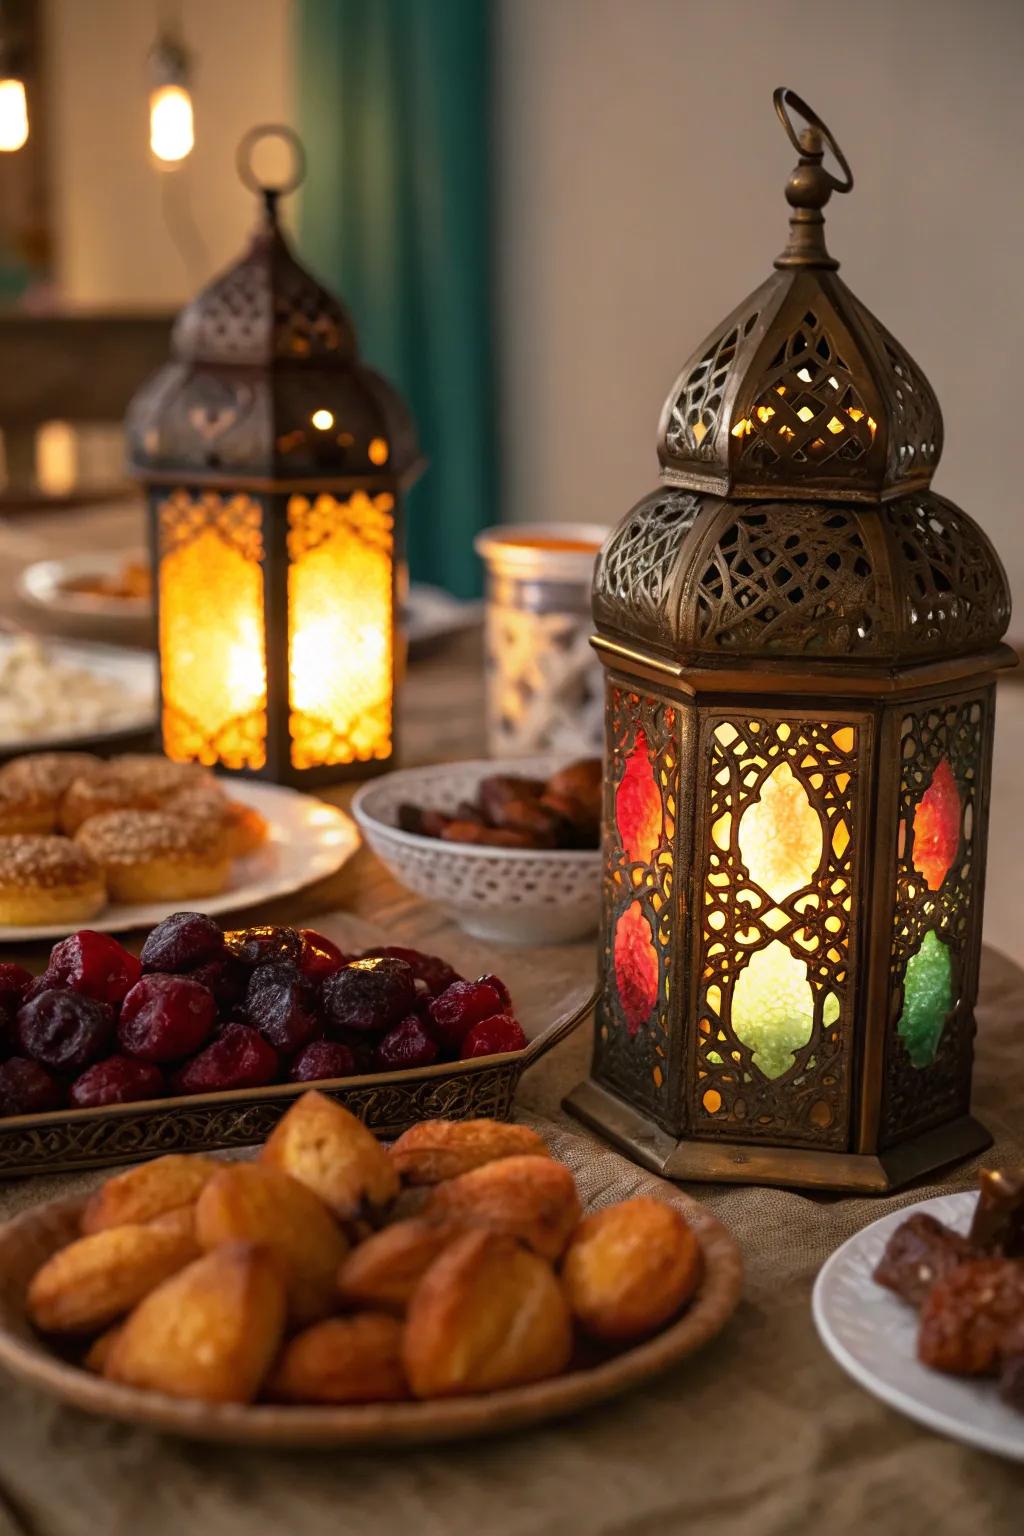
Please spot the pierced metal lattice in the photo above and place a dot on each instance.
(636, 570)
(947, 578)
(697, 411)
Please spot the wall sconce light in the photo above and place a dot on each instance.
(171, 126)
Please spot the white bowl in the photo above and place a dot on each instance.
(507, 895)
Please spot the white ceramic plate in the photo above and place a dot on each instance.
(308, 840)
(873, 1336)
(133, 671)
(45, 584)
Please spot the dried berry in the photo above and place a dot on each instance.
(238, 1058)
(461, 1006)
(279, 1003)
(492, 1036)
(95, 965)
(13, 979)
(264, 945)
(499, 987)
(117, 1080)
(435, 973)
(26, 1088)
(225, 978)
(182, 942)
(320, 1059)
(64, 1030)
(407, 1045)
(13, 983)
(319, 956)
(369, 995)
(166, 1018)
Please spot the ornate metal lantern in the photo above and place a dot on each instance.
(800, 640)
(274, 462)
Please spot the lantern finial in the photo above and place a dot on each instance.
(810, 185)
(247, 171)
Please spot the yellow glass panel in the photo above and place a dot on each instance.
(773, 1008)
(780, 836)
(340, 629)
(212, 642)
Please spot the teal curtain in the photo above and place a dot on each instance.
(394, 107)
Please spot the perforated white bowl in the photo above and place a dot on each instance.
(508, 895)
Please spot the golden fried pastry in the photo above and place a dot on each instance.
(133, 782)
(26, 810)
(49, 773)
(96, 1279)
(326, 1148)
(343, 1360)
(250, 1202)
(630, 1267)
(98, 1353)
(156, 855)
(48, 880)
(384, 1270)
(487, 1314)
(532, 1198)
(245, 828)
(442, 1149)
(148, 1191)
(209, 1332)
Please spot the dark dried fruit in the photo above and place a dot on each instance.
(498, 789)
(492, 1036)
(182, 942)
(264, 945)
(225, 978)
(436, 974)
(422, 821)
(969, 1319)
(65, 1030)
(95, 965)
(919, 1252)
(320, 1059)
(488, 837)
(407, 1045)
(279, 1003)
(238, 1058)
(319, 958)
(166, 1018)
(13, 983)
(461, 1006)
(117, 1080)
(13, 979)
(26, 1088)
(369, 995)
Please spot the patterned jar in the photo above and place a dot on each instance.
(544, 684)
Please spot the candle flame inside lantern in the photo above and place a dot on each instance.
(636, 967)
(937, 827)
(638, 809)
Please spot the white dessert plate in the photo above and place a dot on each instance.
(132, 698)
(873, 1336)
(308, 840)
(50, 585)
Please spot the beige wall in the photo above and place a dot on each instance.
(641, 175)
(111, 206)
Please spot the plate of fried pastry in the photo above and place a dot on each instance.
(332, 1290)
(122, 842)
(925, 1308)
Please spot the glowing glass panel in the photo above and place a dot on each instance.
(780, 836)
(773, 1008)
(937, 827)
(636, 967)
(927, 1000)
(638, 809)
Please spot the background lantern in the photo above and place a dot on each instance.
(274, 462)
(799, 639)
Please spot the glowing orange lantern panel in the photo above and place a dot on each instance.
(636, 967)
(638, 810)
(937, 827)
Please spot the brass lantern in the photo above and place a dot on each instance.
(800, 640)
(274, 462)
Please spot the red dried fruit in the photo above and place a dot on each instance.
(461, 1006)
(971, 1317)
(238, 1058)
(26, 1088)
(369, 995)
(117, 1080)
(64, 1030)
(182, 942)
(225, 978)
(436, 974)
(166, 1018)
(319, 957)
(499, 987)
(492, 1036)
(13, 983)
(278, 1002)
(320, 1059)
(407, 1045)
(264, 945)
(13, 979)
(95, 965)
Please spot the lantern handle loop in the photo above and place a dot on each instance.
(246, 170)
(808, 142)
(810, 185)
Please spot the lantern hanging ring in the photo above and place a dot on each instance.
(246, 170)
(806, 145)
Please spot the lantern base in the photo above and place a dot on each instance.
(722, 1162)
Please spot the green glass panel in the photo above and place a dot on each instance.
(927, 1000)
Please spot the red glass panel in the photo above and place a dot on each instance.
(638, 810)
(636, 967)
(937, 827)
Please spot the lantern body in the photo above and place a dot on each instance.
(800, 642)
(274, 463)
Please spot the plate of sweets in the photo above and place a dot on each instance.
(119, 843)
(925, 1308)
(334, 1291)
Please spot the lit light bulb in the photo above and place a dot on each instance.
(323, 420)
(13, 115)
(171, 134)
